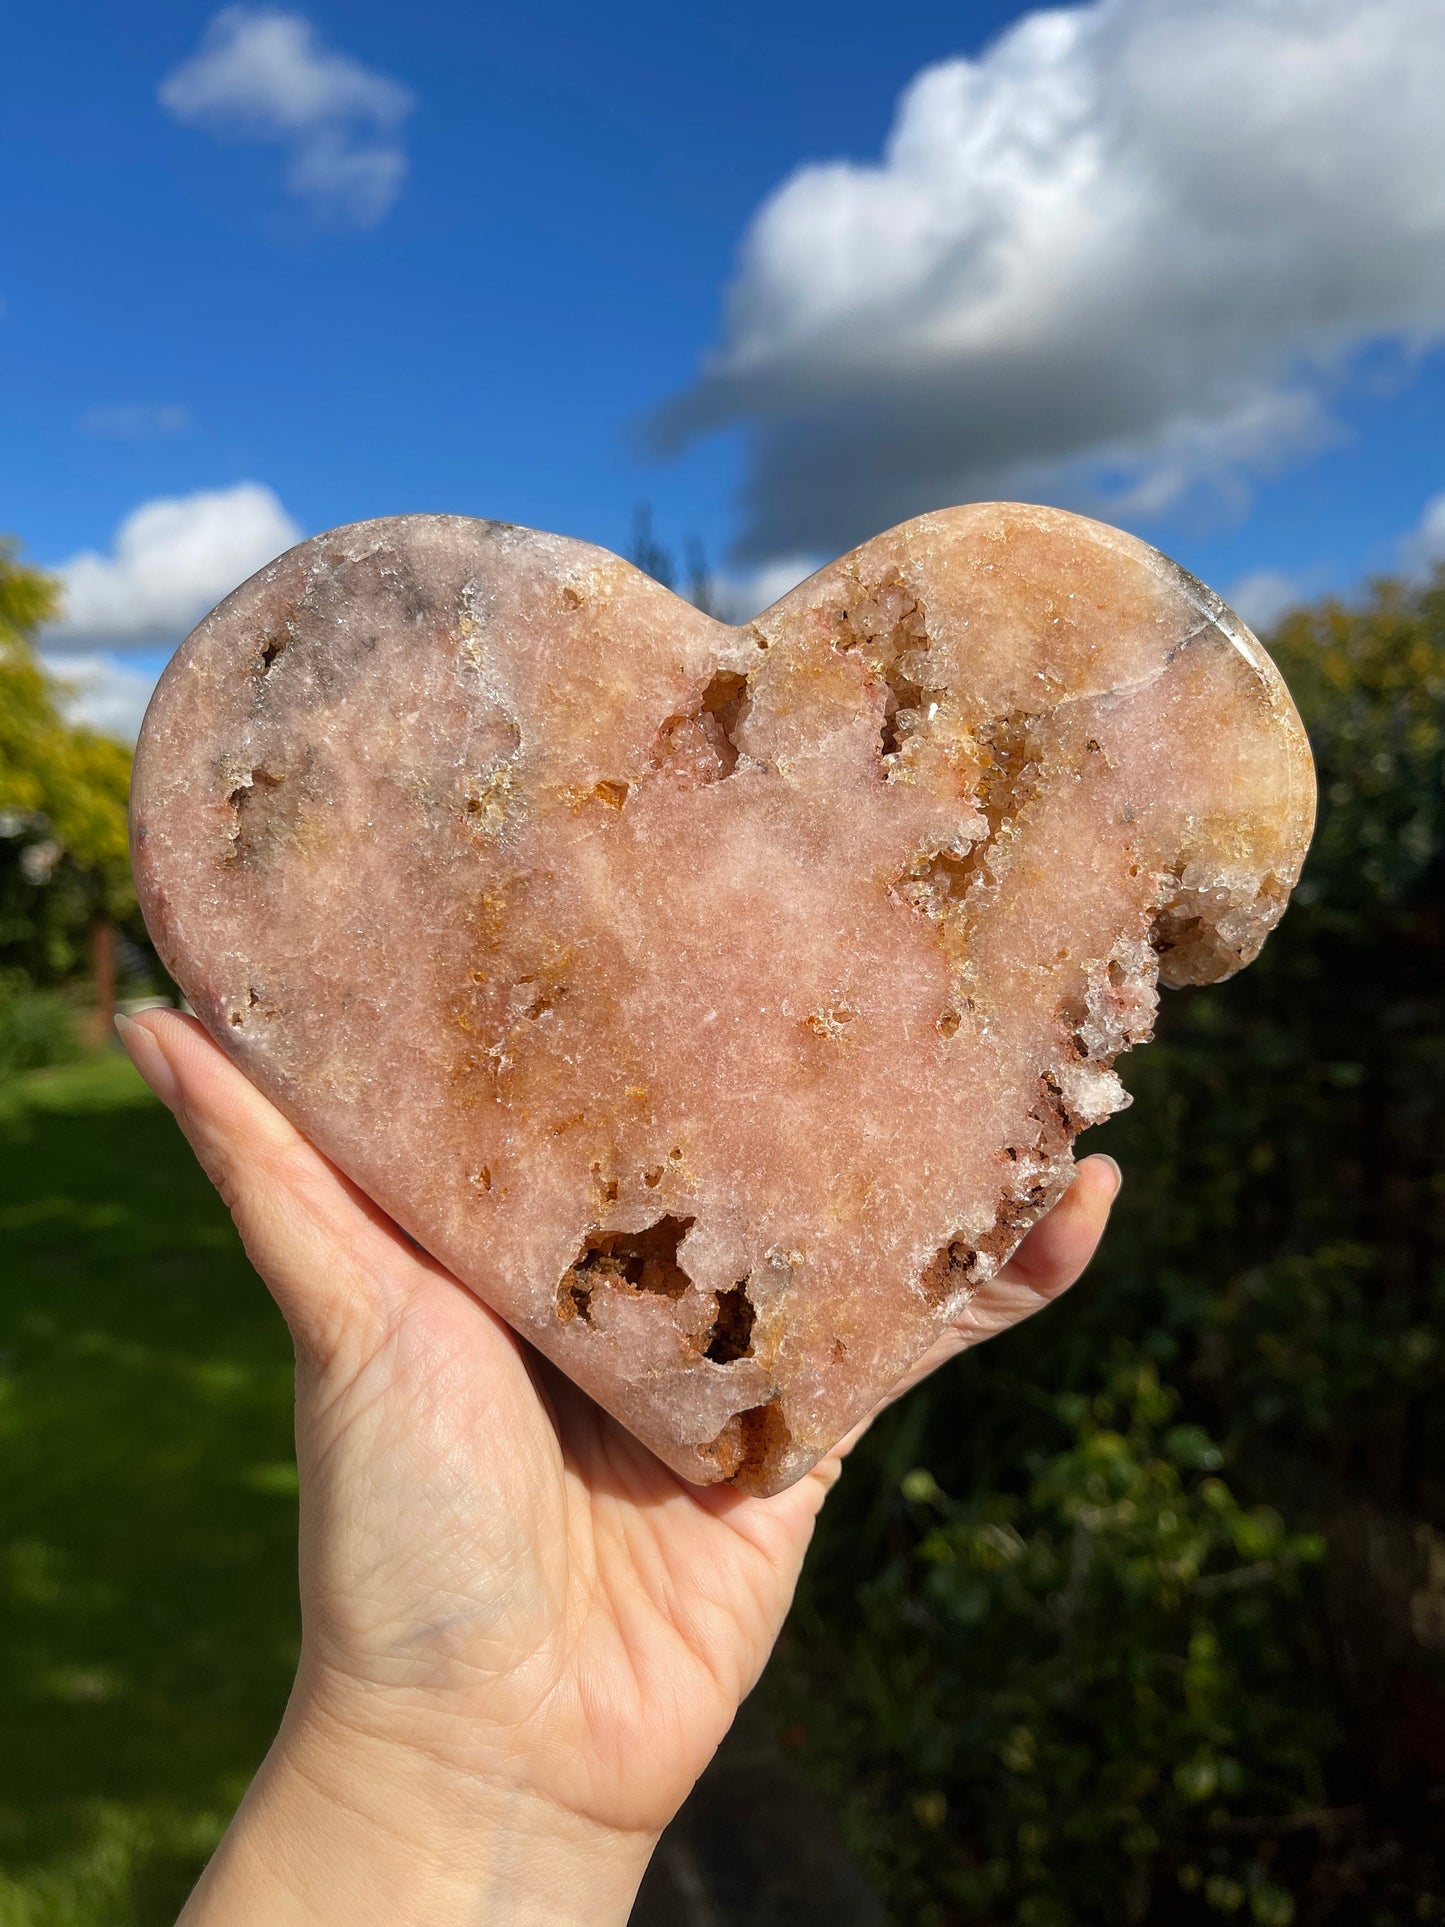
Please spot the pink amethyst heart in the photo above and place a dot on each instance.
(720, 1004)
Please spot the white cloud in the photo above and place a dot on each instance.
(1127, 252)
(1424, 546)
(171, 561)
(1263, 596)
(102, 690)
(264, 75)
(740, 595)
(137, 421)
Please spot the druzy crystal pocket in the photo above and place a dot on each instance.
(720, 1004)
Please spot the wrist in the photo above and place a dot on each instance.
(342, 1826)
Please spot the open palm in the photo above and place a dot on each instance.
(495, 1575)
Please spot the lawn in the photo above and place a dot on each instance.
(148, 1620)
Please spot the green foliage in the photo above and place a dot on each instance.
(37, 1027)
(1097, 1681)
(1094, 1677)
(1370, 682)
(64, 858)
(28, 597)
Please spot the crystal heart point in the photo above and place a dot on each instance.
(721, 1005)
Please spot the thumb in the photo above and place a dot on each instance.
(1051, 1258)
(336, 1265)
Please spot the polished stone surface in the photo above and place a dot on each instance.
(720, 1004)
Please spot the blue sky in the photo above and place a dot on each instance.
(1178, 262)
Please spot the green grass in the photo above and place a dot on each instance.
(148, 1621)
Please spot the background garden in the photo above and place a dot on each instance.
(1138, 1615)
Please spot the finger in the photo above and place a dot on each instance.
(1051, 1257)
(336, 1265)
(1055, 1252)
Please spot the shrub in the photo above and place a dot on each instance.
(1066, 1698)
(37, 1027)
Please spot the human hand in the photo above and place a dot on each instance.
(522, 1635)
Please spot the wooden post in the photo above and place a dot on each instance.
(102, 957)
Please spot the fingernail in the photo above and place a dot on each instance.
(1113, 1164)
(144, 1051)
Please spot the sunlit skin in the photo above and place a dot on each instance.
(523, 1637)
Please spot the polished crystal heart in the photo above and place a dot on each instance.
(720, 1004)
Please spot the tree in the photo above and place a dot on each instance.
(646, 552)
(701, 583)
(64, 856)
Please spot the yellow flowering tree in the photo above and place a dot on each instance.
(64, 863)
